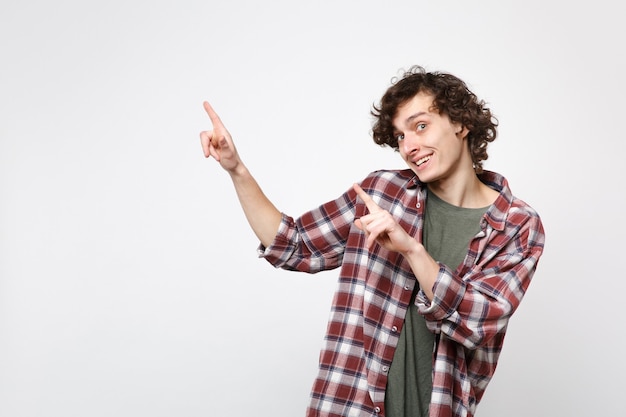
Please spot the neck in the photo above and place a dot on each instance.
(464, 191)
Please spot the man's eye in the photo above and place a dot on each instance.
(421, 126)
(399, 136)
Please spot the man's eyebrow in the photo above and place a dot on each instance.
(414, 116)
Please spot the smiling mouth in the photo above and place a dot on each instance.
(422, 160)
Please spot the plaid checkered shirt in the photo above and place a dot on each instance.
(469, 312)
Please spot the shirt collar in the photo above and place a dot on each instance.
(497, 212)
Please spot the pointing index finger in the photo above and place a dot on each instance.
(215, 119)
(369, 203)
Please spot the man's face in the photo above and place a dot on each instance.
(432, 146)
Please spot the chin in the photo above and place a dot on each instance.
(422, 176)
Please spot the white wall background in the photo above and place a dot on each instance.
(129, 282)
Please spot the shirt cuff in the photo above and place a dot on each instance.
(283, 245)
(448, 291)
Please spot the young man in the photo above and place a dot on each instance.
(433, 259)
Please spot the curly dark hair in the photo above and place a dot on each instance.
(450, 96)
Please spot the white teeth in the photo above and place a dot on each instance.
(422, 160)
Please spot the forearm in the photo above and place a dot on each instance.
(264, 218)
(424, 267)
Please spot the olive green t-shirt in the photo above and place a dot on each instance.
(448, 230)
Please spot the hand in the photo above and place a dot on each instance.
(218, 143)
(380, 227)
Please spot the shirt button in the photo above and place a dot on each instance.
(406, 288)
(377, 410)
(394, 329)
(385, 368)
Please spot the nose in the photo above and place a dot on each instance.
(409, 145)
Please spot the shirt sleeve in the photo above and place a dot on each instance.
(316, 240)
(471, 308)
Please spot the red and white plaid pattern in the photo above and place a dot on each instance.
(469, 313)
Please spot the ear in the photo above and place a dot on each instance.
(461, 131)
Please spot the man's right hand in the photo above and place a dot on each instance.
(218, 143)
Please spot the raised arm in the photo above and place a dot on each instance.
(264, 218)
